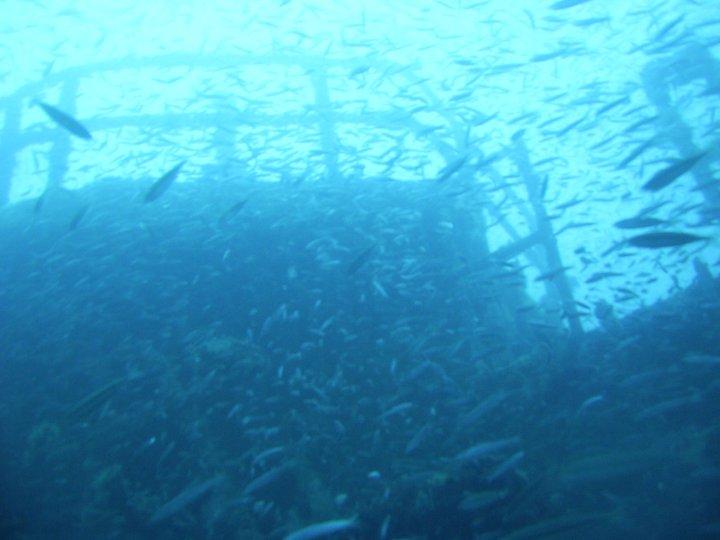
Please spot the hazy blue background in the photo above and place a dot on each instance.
(344, 345)
(444, 52)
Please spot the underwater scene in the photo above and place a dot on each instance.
(405, 270)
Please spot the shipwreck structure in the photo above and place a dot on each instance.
(471, 214)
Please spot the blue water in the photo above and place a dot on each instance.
(290, 269)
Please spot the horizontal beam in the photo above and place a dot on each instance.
(514, 249)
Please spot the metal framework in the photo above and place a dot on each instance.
(691, 63)
(539, 246)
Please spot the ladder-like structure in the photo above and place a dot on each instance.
(691, 63)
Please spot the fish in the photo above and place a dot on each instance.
(652, 208)
(669, 26)
(263, 456)
(567, 526)
(163, 183)
(569, 204)
(706, 359)
(475, 501)
(86, 406)
(591, 21)
(552, 274)
(569, 127)
(39, 202)
(597, 276)
(612, 104)
(564, 4)
(267, 479)
(575, 225)
(325, 325)
(589, 402)
(664, 239)
(430, 368)
(668, 175)
(485, 407)
(544, 57)
(637, 152)
(65, 121)
(184, 498)
(359, 70)
(451, 168)
(360, 260)
(232, 212)
(485, 448)
(380, 289)
(506, 466)
(418, 438)
(639, 222)
(324, 528)
(77, 218)
(48, 68)
(397, 409)
(667, 406)
(640, 123)
(385, 527)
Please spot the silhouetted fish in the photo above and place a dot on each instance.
(667, 176)
(90, 403)
(163, 183)
(183, 499)
(451, 168)
(230, 212)
(664, 239)
(638, 222)
(564, 4)
(268, 478)
(485, 448)
(597, 276)
(636, 153)
(360, 260)
(321, 530)
(77, 218)
(39, 202)
(65, 120)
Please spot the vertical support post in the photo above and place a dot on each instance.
(224, 141)
(657, 77)
(9, 148)
(546, 233)
(328, 136)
